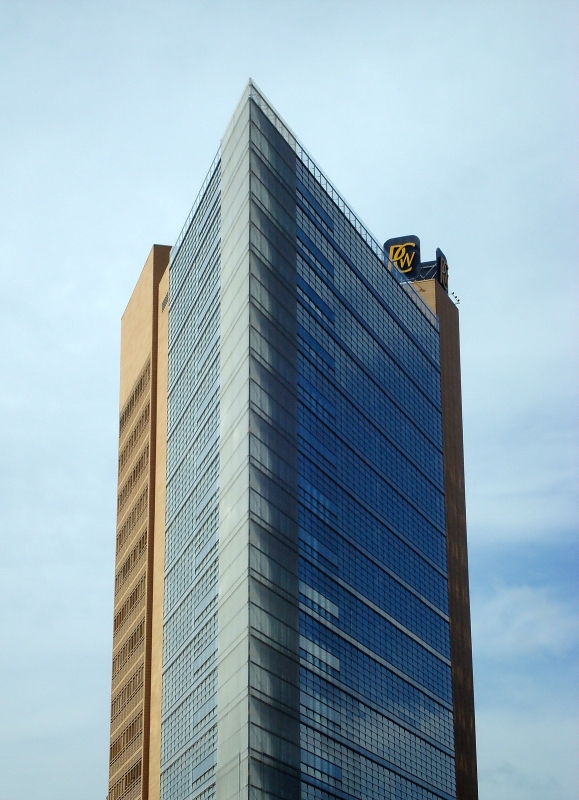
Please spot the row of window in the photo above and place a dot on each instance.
(369, 299)
(133, 730)
(198, 332)
(368, 628)
(188, 387)
(134, 517)
(361, 486)
(140, 427)
(328, 707)
(132, 646)
(194, 254)
(393, 599)
(368, 272)
(406, 308)
(193, 477)
(205, 218)
(182, 574)
(189, 520)
(335, 401)
(136, 396)
(187, 729)
(178, 778)
(127, 692)
(184, 672)
(189, 474)
(133, 602)
(359, 387)
(196, 712)
(133, 480)
(367, 314)
(271, 155)
(195, 398)
(128, 784)
(193, 303)
(367, 442)
(378, 684)
(353, 773)
(130, 562)
(424, 414)
(385, 536)
(344, 554)
(356, 344)
(196, 427)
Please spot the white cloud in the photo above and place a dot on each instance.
(523, 621)
(527, 756)
(521, 454)
(506, 781)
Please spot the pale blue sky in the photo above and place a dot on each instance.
(454, 120)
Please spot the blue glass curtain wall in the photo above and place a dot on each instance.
(376, 695)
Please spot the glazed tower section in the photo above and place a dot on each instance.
(189, 656)
(375, 668)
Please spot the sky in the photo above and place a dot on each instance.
(455, 120)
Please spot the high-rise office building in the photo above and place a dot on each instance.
(291, 591)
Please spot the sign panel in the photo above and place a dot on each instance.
(404, 253)
(442, 269)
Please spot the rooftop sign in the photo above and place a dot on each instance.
(441, 269)
(403, 252)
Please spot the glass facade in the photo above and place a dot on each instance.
(348, 648)
(375, 680)
(189, 700)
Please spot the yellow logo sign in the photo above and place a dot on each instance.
(404, 253)
(401, 257)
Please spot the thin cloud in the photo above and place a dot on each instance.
(523, 621)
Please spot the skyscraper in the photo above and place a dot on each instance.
(291, 592)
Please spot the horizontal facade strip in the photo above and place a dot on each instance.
(379, 469)
(377, 610)
(367, 701)
(379, 428)
(408, 587)
(380, 660)
(376, 380)
(435, 403)
(382, 762)
(368, 286)
(382, 519)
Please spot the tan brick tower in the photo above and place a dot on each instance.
(138, 612)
